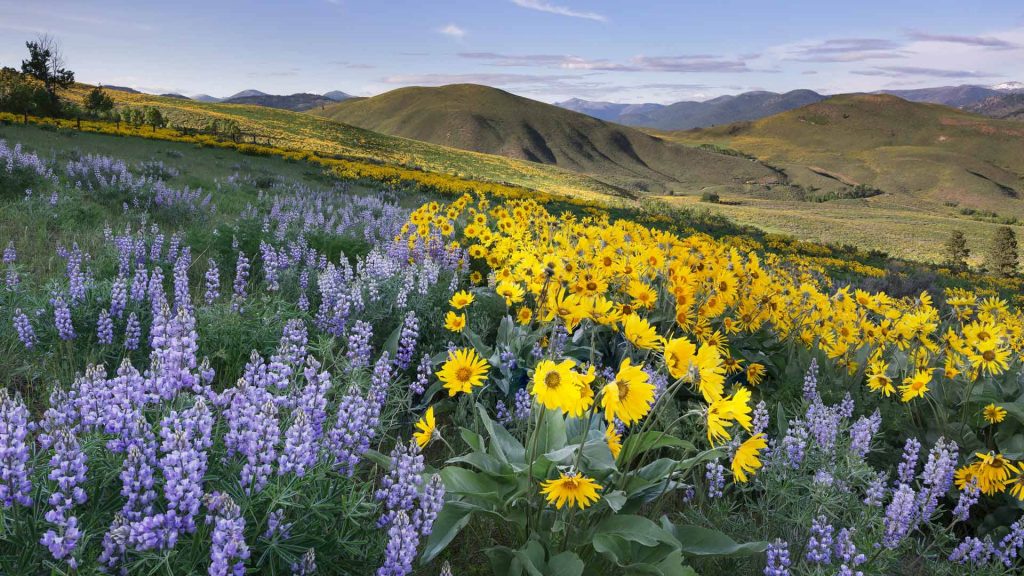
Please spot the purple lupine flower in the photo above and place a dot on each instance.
(182, 297)
(173, 357)
(241, 281)
(823, 477)
(140, 284)
(823, 424)
(431, 502)
(23, 326)
(501, 413)
(15, 471)
(157, 246)
(938, 474)
(907, 469)
(811, 382)
(156, 532)
(138, 480)
(401, 548)
(132, 332)
(973, 551)
(846, 550)
(291, 353)
(862, 432)
(715, 475)
(300, 447)
(1011, 544)
(77, 277)
(777, 563)
(968, 497)
(760, 418)
(524, 405)
(105, 328)
(277, 527)
(212, 278)
(359, 349)
(306, 566)
(228, 550)
(846, 407)
(400, 487)
(656, 379)
(407, 341)
(876, 490)
(271, 265)
(184, 437)
(253, 431)
(10, 255)
(67, 470)
(172, 247)
(303, 303)
(423, 372)
(794, 443)
(118, 296)
(819, 546)
(900, 516)
(314, 396)
(62, 319)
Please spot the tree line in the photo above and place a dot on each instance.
(1002, 259)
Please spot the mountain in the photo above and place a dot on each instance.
(175, 95)
(337, 95)
(955, 96)
(1008, 105)
(122, 89)
(693, 114)
(245, 94)
(492, 121)
(608, 111)
(205, 98)
(300, 102)
(1009, 87)
(925, 156)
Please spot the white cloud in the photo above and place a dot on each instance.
(453, 31)
(542, 6)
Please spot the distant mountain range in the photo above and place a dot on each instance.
(492, 121)
(299, 102)
(692, 114)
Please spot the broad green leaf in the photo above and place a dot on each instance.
(503, 444)
(699, 541)
(449, 522)
(634, 529)
(551, 434)
(638, 444)
(615, 499)
(565, 564)
(472, 439)
(466, 482)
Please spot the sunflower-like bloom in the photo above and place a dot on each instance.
(614, 440)
(571, 488)
(461, 299)
(915, 386)
(702, 367)
(584, 387)
(990, 358)
(462, 371)
(628, 397)
(426, 426)
(993, 414)
(878, 378)
(640, 332)
(512, 292)
(992, 472)
(723, 412)
(755, 373)
(556, 385)
(747, 457)
(454, 322)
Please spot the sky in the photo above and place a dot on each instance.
(551, 50)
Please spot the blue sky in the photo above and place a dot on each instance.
(617, 50)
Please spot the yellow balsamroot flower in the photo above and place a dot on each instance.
(1017, 484)
(462, 371)
(993, 414)
(454, 322)
(915, 386)
(723, 412)
(992, 472)
(755, 373)
(990, 358)
(642, 294)
(629, 396)
(512, 292)
(461, 299)
(746, 460)
(476, 277)
(571, 488)
(585, 391)
(426, 426)
(878, 378)
(613, 439)
(701, 367)
(640, 332)
(555, 385)
(524, 315)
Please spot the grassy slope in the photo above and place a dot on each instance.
(300, 131)
(484, 119)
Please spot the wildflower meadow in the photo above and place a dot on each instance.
(223, 364)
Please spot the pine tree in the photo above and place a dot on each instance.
(957, 252)
(1003, 258)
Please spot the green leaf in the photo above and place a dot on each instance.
(638, 444)
(634, 529)
(480, 461)
(551, 434)
(449, 522)
(615, 499)
(699, 541)
(565, 564)
(466, 482)
(503, 444)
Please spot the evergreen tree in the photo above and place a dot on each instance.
(154, 118)
(957, 252)
(46, 64)
(98, 101)
(1003, 258)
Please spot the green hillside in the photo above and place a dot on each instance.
(492, 121)
(930, 153)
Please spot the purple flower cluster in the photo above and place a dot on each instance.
(777, 563)
(62, 319)
(400, 487)
(715, 475)
(811, 382)
(228, 550)
(241, 281)
(359, 349)
(938, 474)
(862, 432)
(67, 470)
(900, 516)
(907, 469)
(819, 546)
(15, 482)
(23, 326)
(407, 341)
(212, 278)
(424, 371)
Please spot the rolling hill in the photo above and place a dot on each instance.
(693, 114)
(296, 102)
(1008, 106)
(925, 151)
(492, 121)
(955, 96)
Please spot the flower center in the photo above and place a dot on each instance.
(463, 374)
(988, 355)
(552, 380)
